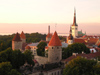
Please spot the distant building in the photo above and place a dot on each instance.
(74, 26)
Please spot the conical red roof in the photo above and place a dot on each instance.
(22, 35)
(55, 41)
(16, 37)
(49, 35)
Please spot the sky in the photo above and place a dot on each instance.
(35, 15)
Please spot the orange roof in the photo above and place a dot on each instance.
(92, 41)
(22, 35)
(27, 47)
(49, 35)
(55, 41)
(77, 40)
(17, 37)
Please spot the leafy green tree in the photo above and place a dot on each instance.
(6, 69)
(14, 72)
(41, 48)
(74, 48)
(80, 66)
(17, 59)
(29, 57)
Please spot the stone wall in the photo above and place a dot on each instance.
(54, 54)
(41, 60)
(16, 45)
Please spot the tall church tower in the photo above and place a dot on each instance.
(23, 38)
(16, 42)
(74, 26)
(55, 49)
(48, 37)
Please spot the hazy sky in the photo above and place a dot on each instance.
(36, 15)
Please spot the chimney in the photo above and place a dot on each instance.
(49, 29)
(74, 54)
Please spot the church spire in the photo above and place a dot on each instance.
(74, 21)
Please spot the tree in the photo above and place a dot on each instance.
(29, 57)
(80, 66)
(74, 48)
(17, 59)
(41, 48)
(6, 69)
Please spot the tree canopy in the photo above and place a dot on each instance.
(82, 66)
(41, 48)
(6, 69)
(74, 48)
(29, 57)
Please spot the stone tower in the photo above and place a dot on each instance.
(70, 38)
(74, 26)
(48, 37)
(54, 49)
(23, 38)
(16, 42)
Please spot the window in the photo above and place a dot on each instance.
(52, 47)
(57, 47)
(52, 73)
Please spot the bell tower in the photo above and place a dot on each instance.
(74, 26)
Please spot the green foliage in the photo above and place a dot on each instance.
(80, 66)
(41, 48)
(6, 69)
(74, 48)
(14, 72)
(17, 59)
(28, 57)
(35, 37)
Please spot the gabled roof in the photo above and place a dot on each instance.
(17, 37)
(92, 41)
(55, 41)
(22, 35)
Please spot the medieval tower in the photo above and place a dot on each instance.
(55, 49)
(23, 38)
(16, 42)
(48, 37)
(74, 26)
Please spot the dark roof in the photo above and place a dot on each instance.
(70, 37)
(88, 56)
(17, 37)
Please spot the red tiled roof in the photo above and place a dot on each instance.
(22, 35)
(98, 44)
(49, 35)
(46, 47)
(88, 56)
(27, 47)
(17, 37)
(78, 40)
(92, 41)
(55, 41)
